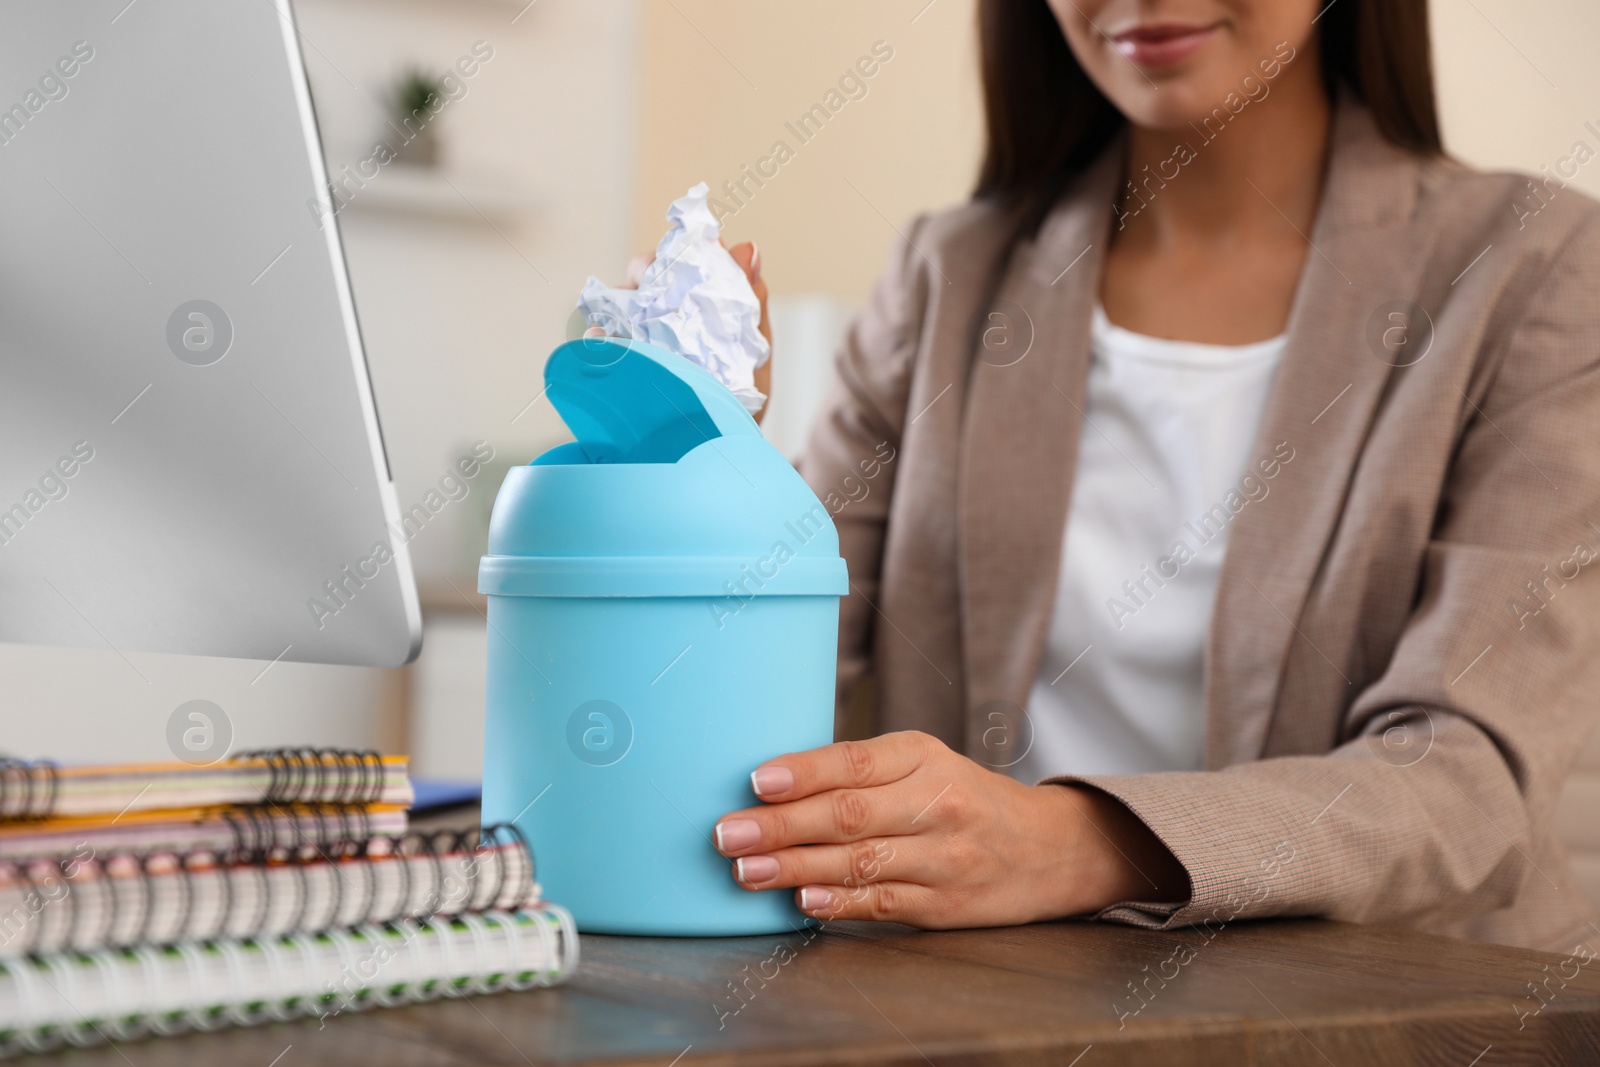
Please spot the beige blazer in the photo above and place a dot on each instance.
(1403, 660)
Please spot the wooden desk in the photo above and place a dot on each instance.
(1289, 992)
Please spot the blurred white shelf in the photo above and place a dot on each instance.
(426, 192)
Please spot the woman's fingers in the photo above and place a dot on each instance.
(748, 256)
(636, 268)
(901, 902)
(843, 765)
(836, 817)
(872, 859)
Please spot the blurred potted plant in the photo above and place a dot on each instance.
(416, 100)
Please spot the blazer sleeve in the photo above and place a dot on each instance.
(852, 454)
(1494, 699)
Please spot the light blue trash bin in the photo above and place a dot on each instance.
(663, 617)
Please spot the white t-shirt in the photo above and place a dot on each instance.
(1164, 464)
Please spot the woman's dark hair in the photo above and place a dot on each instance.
(1047, 121)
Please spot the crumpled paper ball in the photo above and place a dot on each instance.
(694, 299)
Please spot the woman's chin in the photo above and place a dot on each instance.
(1176, 109)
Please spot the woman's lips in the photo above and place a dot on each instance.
(1162, 46)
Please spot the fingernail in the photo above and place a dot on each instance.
(767, 781)
(815, 898)
(736, 834)
(755, 260)
(755, 869)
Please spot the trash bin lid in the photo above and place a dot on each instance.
(631, 402)
(669, 490)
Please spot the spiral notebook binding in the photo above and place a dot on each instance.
(302, 775)
(548, 929)
(313, 827)
(127, 902)
(28, 788)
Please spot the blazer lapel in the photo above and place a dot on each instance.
(1019, 442)
(1022, 419)
(1322, 404)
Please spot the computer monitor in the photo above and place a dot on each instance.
(190, 454)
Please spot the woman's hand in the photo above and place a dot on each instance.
(900, 828)
(748, 256)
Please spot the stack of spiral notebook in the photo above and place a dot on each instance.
(153, 898)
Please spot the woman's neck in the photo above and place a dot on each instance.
(1211, 240)
(1239, 175)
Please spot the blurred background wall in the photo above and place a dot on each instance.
(559, 161)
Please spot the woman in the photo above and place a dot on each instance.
(1218, 287)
